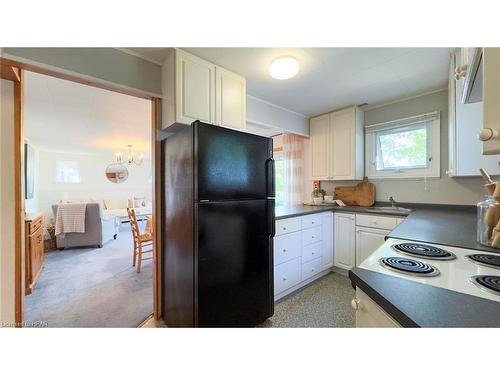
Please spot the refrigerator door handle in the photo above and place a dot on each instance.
(271, 226)
(270, 185)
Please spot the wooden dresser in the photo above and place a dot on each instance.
(34, 256)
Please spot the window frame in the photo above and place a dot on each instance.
(279, 156)
(60, 164)
(432, 122)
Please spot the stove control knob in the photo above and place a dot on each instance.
(355, 304)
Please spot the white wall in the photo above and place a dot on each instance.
(93, 186)
(7, 203)
(443, 190)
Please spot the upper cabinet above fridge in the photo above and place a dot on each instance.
(196, 89)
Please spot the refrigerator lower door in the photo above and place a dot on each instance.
(235, 263)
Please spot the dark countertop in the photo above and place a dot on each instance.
(450, 225)
(414, 304)
(443, 225)
(300, 209)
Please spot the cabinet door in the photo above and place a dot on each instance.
(367, 241)
(230, 99)
(342, 144)
(344, 240)
(319, 128)
(195, 89)
(327, 240)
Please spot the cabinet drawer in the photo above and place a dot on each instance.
(311, 268)
(286, 247)
(287, 225)
(35, 225)
(311, 235)
(312, 251)
(373, 221)
(286, 275)
(310, 221)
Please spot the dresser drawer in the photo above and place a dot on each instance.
(374, 221)
(34, 225)
(310, 221)
(289, 225)
(286, 247)
(311, 268)
(286, 275)
(311, 235)
(312, 251)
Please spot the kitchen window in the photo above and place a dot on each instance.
(404, 148)
(279, 177)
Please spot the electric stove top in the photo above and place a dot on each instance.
(461, 270)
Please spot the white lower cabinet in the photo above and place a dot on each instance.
(357, 236)
(303, 251)
(287, 275)
(369, 314)
(367, 241)
(345, 240)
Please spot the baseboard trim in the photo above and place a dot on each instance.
(297, 288)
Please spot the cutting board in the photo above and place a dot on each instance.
(363, 194)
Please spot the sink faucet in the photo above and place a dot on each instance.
(393, 202)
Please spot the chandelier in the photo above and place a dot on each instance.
(131, 157)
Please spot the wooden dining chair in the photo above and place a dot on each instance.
(141, 240)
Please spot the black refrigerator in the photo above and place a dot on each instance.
(218, 228)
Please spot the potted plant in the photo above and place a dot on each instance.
(318, 194)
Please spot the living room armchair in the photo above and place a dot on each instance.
(99, 229)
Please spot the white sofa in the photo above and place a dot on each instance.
(118, 208)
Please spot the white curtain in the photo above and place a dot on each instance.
(293, 154)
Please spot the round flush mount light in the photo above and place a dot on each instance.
(284, 68)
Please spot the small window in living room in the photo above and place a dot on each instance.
(68, 172)
(405, 148)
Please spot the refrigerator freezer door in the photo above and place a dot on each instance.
(235, 263)
(232, 165)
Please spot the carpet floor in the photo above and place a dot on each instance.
(325, 303)
(92, 287)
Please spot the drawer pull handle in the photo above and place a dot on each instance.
(313, 269)
(312, 236)
(313, 253)
(284, 228)
(284, 250)
(284, 278)
(355, 304)
(312, 222)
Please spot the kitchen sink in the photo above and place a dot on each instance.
(390, 209)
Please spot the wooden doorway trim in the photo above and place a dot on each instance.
(12, 73)
(15, 69)
(157, 202)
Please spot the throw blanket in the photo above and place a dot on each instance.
(70, 218)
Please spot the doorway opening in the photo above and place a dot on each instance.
(72, 159)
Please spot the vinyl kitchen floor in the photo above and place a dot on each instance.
(325, 303)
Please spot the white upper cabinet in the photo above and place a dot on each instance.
(465, 122)
(195, 89)
(230, 99)
(337, 144)
(319, 129)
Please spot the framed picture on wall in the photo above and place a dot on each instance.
(29, 171)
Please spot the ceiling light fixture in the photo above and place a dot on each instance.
(131, 157)
(284, 68)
